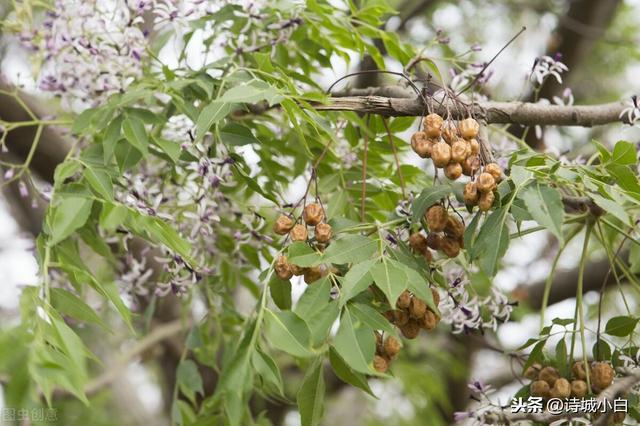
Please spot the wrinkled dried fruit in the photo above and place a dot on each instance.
(436, 296)
(579, 371)
(531, 373)
(578, 388)
(539, 388)
(485, 182)
(312, 274)
(313, 214)
(428, 257)
(450, 132)
(469, 128)
(434, 240)
(436, 218)
(453, 171)
(418, 243)
(400, 317)
(283, 269)
(432, 124)
(474, 145)
(601, 376)
(421, 145)
(460, 150)
(323, 232)
(561, 389)
(549, 375)
(450, 246)
(494, 170)
(441, 154)
(380, 364)
(296, 270)
(454, 228)
(471, 165)
(299, 233)
(471, 194)
(282, 225)
(404, 300)
(486, 201)
(392, 346)
(417, 309)
(410, 330)
(429, 321)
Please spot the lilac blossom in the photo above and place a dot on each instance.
(546, 66)
(631, 114)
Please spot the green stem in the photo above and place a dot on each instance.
(579, 303)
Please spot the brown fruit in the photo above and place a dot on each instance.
(454, 228)
(549, 375)
(418, 243)
(378, 336)
(561, 389)
(450, 132)
(619, 416)
(323, 232)
(411, 329)
(486, 201)
(460, 150)
(471, 194)
(539, 388)
(400, 317)
(453, 171)
(601, 376)
(296, 270)
(436, 296)
(428, 257)
(578, 388)
(299, 233)
(471, 165)
(313, 214)
(282, 225)
(421, 145)
(579, 371)
(380, 364)
(428, 321)
(434, 240)
(531, 373)
(469, 128)
(312, 274)
(485, 182)
(436, 218)
(450, 246)
(474, 145)
(391, 346)
(441, 154)
(494, 170)
(432, 124)
(417, 309)
(283, 269)
(404, 300)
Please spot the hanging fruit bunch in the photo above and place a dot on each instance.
(386, 351)
(412, 314)
(454, 147)
(312, 216)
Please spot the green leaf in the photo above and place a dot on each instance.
(427, 198)
(346, 374)
(67, 216)
(611, 207)
(234, 134)
(288, 332)
(321, 321)
(111, 136)
(69, 304)
(280, 292)
(624, 153)
(302, 254)
(254, 91)
(113, 215)
(314, 299)
(171, 148)
(621, 326)
(210, 115)
(484, 247)
(545, 206)
(601, 351)
(371, 318)
(83, 121)
(267, 368)
(100, 182)
(350, 249)
(127, 155)
(311, 395)
(390, 278)
(356, 280)
(355, 346)
(189, 377)
(136, 134)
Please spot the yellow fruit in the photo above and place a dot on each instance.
(469, 128)
(561, 389)
(485, 182)
(549, 375)
(579, 371)
(539, 388)
(601, 376)
(421, 145)
(432, 124)
(471, 165)
(578, 388)
(453, 171)
(299, 233)
(323, 232)
(283, 225)
(441, 154)
(460, 150)
(450, 132)
(470, 194)
(531, 373)
(486, 201)
(494, 170)
(474, 145)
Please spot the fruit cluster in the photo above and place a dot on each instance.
(446, 234)
(547, 382)
(312, 216)
(455, 149)
(386, 350)
(412, 314)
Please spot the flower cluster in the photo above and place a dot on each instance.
(631, 114)
(485, 408)
(546, 66)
